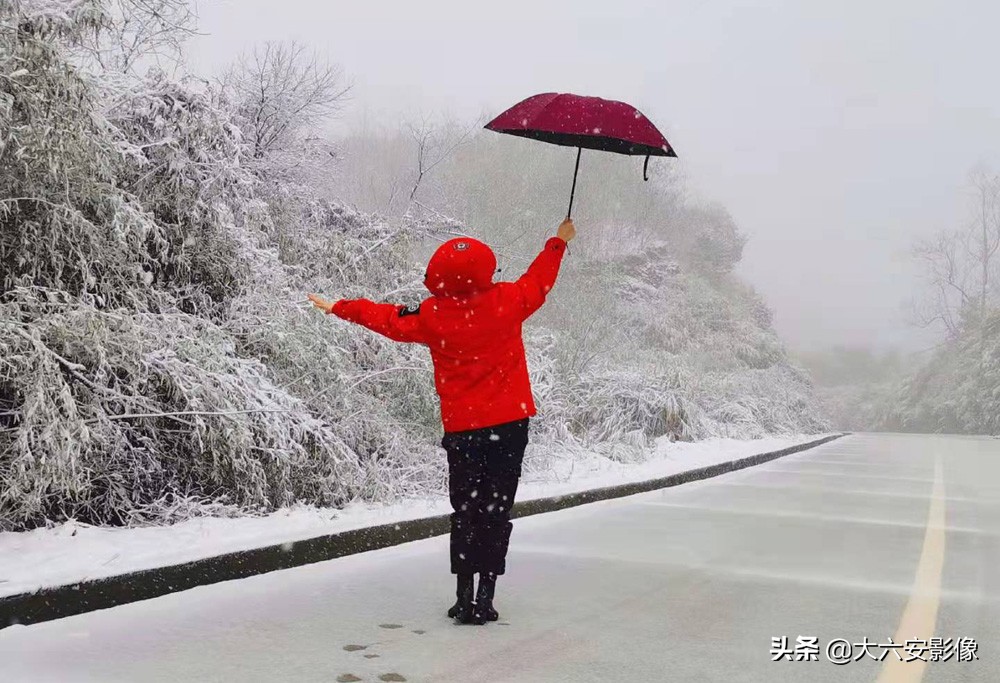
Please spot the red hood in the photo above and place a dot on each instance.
(460, 267)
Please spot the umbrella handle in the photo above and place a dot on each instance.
(645, 165)
(569, 211)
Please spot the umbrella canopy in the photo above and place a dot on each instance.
(584, 122)
(578, 121)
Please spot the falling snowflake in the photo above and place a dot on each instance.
(494, 437)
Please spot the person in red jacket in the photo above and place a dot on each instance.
(472, 327)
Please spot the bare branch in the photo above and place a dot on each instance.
(427, 136)
(960, 266)
(143, 31)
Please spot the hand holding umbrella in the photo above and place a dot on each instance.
(566, 231)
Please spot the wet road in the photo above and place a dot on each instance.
(870, 536)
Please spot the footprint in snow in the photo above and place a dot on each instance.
(355, 648)
(390, 626)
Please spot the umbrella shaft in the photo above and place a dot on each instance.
(569, 212)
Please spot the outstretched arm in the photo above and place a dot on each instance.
(538, 280)
(399, 323)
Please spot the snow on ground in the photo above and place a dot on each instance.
(73, 552)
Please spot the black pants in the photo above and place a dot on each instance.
(484, 466)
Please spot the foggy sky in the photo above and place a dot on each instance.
(835, 132)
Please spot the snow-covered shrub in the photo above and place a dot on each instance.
(185, 162)
(152, 349)
(110, 411)
(717, 244)
(62, 220)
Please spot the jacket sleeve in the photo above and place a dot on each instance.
(532, 287)
(398, 323)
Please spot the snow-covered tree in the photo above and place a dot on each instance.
(961, 267)
(280, 90)
(955, 387)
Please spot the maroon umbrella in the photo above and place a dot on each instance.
(578, 121)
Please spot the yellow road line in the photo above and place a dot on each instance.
(920, 615)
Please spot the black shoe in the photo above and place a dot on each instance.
(463, 593)
(486, 609)
(470, 614)
(484, 596)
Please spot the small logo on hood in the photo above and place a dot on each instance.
(460, 267)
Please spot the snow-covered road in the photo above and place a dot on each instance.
(866, 537)
(72, 552)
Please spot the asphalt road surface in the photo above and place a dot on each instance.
(872, 536)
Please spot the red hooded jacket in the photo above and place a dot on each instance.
(473, 329)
